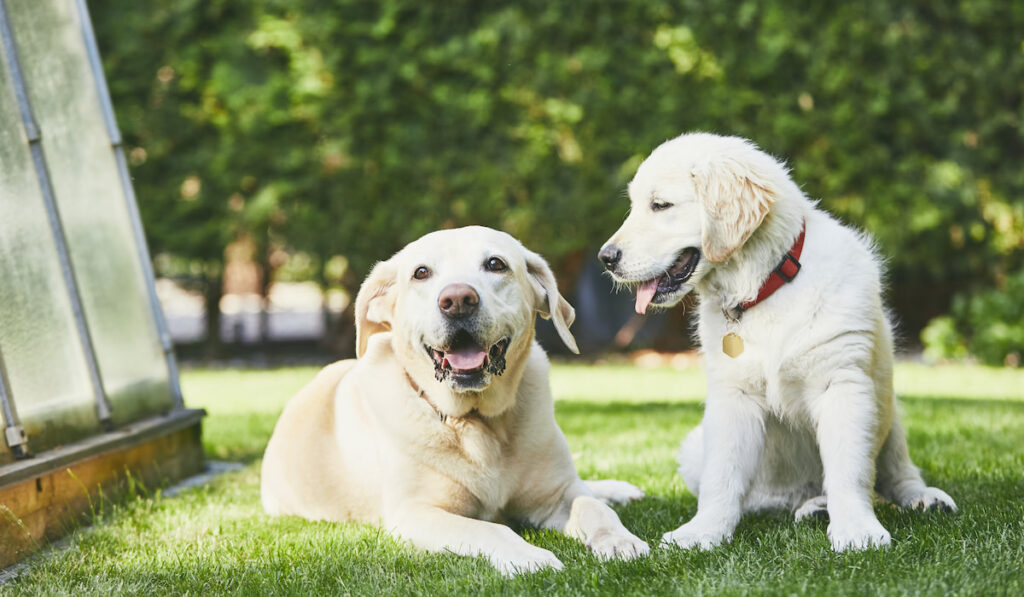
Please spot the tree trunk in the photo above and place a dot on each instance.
(213, 290)
(266, 278)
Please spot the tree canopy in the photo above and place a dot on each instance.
(350, 128)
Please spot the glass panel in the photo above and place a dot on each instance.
(92, 205)
(5, 452)
(46, 369)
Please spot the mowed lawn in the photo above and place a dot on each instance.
(966, 428)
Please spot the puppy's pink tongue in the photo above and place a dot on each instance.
(645, 294)
(466, 359)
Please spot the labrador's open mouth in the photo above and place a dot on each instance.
(674, 277)
(464, 360)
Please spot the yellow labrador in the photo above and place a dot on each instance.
(444, 426)
(798, 348)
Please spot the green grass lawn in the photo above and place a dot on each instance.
(966, 428)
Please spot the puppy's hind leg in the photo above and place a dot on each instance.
(691, 459)
(899, 481)
(816, 507)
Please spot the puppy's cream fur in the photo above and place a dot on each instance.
(380, 440)
(805, 417)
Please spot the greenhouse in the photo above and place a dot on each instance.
(88, 380)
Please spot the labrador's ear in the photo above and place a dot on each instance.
(549, 302)
(735, 196)
(375, 304)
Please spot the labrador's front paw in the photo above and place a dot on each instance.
(614, 492)
(523, 559)
(857, 534)
(696, 534)
(618, 546)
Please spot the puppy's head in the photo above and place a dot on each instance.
(694, 202)
(461, 306)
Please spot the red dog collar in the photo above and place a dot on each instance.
(785, 271)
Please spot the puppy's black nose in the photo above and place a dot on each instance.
(458, 300)
(610, 256)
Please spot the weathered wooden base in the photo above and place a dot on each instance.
(47, 496)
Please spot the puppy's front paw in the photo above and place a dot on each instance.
(523, 559)
(696, 535)
(857, 534)
(930, 498)
(618, 546)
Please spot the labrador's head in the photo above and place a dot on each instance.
(694, 202)
(461, 306)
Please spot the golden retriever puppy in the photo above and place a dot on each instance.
(798, 349)
(444, 426)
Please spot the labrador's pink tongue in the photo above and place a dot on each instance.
(645, 294)
(466, 359)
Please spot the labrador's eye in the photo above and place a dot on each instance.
(658, 205)
(495, 265)
(422, 273)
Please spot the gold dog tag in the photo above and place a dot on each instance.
(732, 345)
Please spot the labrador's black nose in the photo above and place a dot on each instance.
(458, 300)
(610, 256)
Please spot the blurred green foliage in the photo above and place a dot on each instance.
(350, 127)
(988, 325)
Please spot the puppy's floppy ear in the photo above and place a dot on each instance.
(550, 303)
(375, 304)
(736, 196)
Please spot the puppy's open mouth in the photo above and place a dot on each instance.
(674, 277)
(464, 360)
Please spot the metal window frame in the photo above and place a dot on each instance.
(14, 433)
(142, 249)
(103, 408)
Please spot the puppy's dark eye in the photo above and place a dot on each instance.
(658, 205)
(422, 273)
(495, 265)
